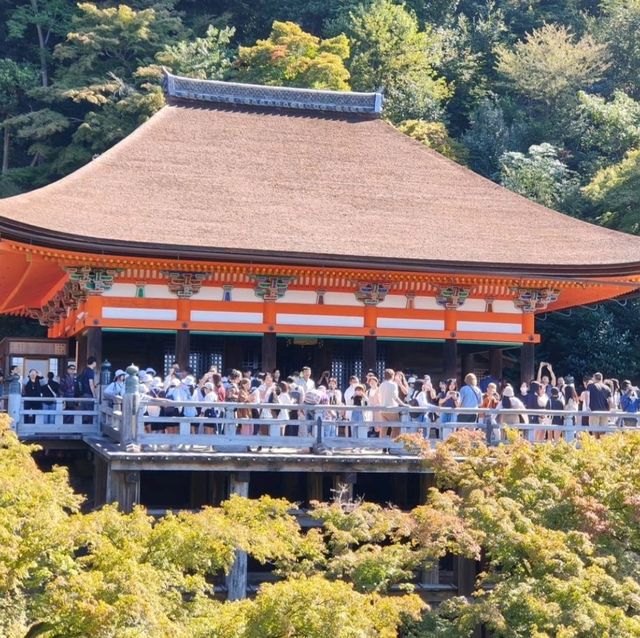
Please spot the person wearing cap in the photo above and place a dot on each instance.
(69, 390)
(151, 372)
(187, 390)
(116, 387)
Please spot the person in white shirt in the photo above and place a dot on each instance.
(389, 397)
(348, 395)
(306, 381)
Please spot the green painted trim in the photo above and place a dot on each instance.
(226, 334)
(296, 336)
(139, 331)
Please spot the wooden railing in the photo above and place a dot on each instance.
(218, 426)
(150, 423)
(40, 416)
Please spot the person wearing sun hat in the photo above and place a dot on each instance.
(116, 387)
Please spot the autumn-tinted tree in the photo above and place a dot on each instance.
(291, 57)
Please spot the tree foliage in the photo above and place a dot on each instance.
(614, 192)
(291, 57)
(551, 65)
(390, 52)
(555, 525)
(539, 175)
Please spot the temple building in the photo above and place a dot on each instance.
(261, 227)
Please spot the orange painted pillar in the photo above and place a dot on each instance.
(269, 337)
(527, 353)
(183, 335)
(370, 342)
(450, 348)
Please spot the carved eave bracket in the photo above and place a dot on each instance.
(271, 287)
(451, 297)
(534, 299)
(185, 284)
(92, 281)
(372, 293)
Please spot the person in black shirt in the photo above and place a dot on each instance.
(598, 399)
(32, 389)
(87, 386)
(51, 389)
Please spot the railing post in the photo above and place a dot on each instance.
(130, 404)
(105, 378)
(14, 401)
(319, 446)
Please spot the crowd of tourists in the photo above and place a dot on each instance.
(348, 410)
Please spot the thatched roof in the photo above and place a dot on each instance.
(209, 180)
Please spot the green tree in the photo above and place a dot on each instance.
(113, 41)
(207, 58)
(103, 87)
(40, 24)
(559, 541)
(489, 136)
(390, 52)
(613, 192)
(35, 510)
(585, 340)
(434, 135)
(291, 57)
(618, 29)
(605, 130)
(15, 80)
(540, 175)
(316, 608)
(550, 65)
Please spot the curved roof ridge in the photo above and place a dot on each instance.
(272, 96)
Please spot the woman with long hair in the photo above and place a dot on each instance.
(245, 397)
(449, 398)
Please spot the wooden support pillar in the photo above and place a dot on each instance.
(399, 488)
(199, 492)
(322, 356)
(527, 362)
(81, 351)
(100, 478)
(237, 577)
(269, 349)
(183, 348)
(232, 353)
(343, 486)
(314, 487)
(495, 363)
(124, 488)
(369, 354)
(426, 481)
(468, 364)
(466, 575)
(450, 358)
(94, 344)
(218, 487)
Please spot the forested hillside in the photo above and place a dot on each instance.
(541, 96)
